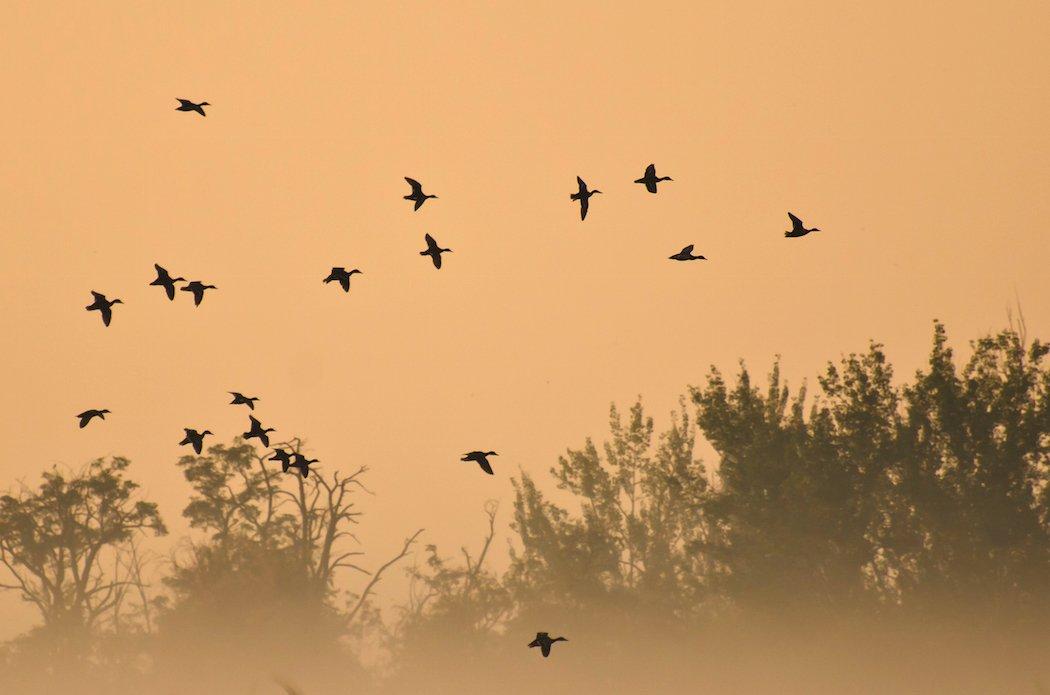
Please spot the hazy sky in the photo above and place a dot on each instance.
(914, 134)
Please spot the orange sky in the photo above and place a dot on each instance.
(915, 135)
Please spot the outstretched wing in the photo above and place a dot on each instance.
(417, 188)
(546, 649)
(796, 223)
(584, 205)
(484, 463)
(688, 250)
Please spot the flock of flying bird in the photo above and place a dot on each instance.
(294, 460)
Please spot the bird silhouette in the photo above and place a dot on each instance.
(651, 179)
(103, 306)
(241, 399)
(303, 464)
(544, 641)
(88, 415)
(434, 251)
(417, 194)
(197, 288)
(187, 105)
(284, 456)
(584, 196)
(258, 432)
(797, 228)
(342, 276)
(166, 281)
(194, 438)
(481, 458)
(686, 254)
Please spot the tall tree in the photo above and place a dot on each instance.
(66, 545)
(977, 475)
(633, 540)
(259, 517)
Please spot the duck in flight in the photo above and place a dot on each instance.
(303, 464)
(544, 641)
(194, 439)
(481, 458)
(258, 432)
(342, 276)
(103, 306)
(197, 288)
(797, 228)
(686, 254)
(187, 105)
(284, 456)
(165, 280)
(584, 196)
(88, 415)
(434, 251)
(651, 179)
(417, 194)
(241, 399)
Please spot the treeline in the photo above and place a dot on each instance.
(924, 500)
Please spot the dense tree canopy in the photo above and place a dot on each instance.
(65, 545)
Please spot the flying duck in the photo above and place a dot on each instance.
(544, 641)
(103, 306)
(584, 196)
(166, 281)
(194, 439)
(686, 254)
(87, 415)
(342, 276)
(651, 179)
(258, 432)
(797, 228)
(481, 458)
(187, 105)
(197, 288)
(417, 194)
(434, 251)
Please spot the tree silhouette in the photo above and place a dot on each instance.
(640, 519)
(67, 545)
(243, 499)
(929, 493)
(977, 476)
